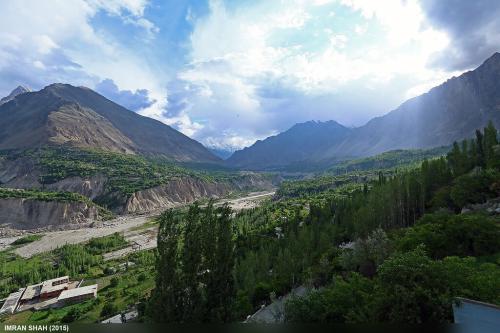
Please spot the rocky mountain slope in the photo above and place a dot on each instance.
(19, 213)
(449, 112)
(123, 183)
(61, 114)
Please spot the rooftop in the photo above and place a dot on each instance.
(57, 280)
(11, 302)
(32, 292)
(66, 294)
(55, 284)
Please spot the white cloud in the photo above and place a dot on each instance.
(120, 7)
(254, 68)
(237, 53)
(65, 47)
(44, 44)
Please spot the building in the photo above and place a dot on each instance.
(30, 293)
(56, 292)
(77, 295)
(11, 302)
(476, 317)
(53, 288)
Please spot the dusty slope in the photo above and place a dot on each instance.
(33, 214)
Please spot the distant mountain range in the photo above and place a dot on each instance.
(449, 112)
(221, 152)
(303, 142)
(61, 114)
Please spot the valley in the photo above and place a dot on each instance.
(168, 231)
(52, 240)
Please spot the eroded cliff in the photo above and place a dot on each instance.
(20, 213)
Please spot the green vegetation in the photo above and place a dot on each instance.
(388, 160)
(120, 175)
(27, 239)
(323, 186)
(42, 195)
(194, 281)
(390, 247)
(409, 288)
(393, 245)
(444, 234)
(73, 260)
(135, 282)
(126, 173)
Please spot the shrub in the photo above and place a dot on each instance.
(115, 281)
(109, 309)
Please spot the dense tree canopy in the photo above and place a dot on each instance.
(377, 246)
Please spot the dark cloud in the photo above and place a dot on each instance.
(179, 94)
(131, 100)
(473, 27)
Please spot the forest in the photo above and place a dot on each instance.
(399, 246)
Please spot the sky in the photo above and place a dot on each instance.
(229, 72)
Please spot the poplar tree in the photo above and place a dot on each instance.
(164, 305)
(490, 141)
(192, 301)
(220, 288)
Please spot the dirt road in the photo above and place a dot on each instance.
(250, 201)
(55, 239)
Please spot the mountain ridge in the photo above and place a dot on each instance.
(61, 114)
(448, 112)
(302, 140)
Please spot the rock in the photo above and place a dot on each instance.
(465, 210)
(173, 193)
(21, 213)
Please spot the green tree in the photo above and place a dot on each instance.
(481, 158)
(220, 286)
(166, 297)
(195, 266)
(490, 141)
(453, 235)
(191, 258)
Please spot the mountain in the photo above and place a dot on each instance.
(61, 114)
(18, 91)
(449, 112)
(221, 152)
(304, 141)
